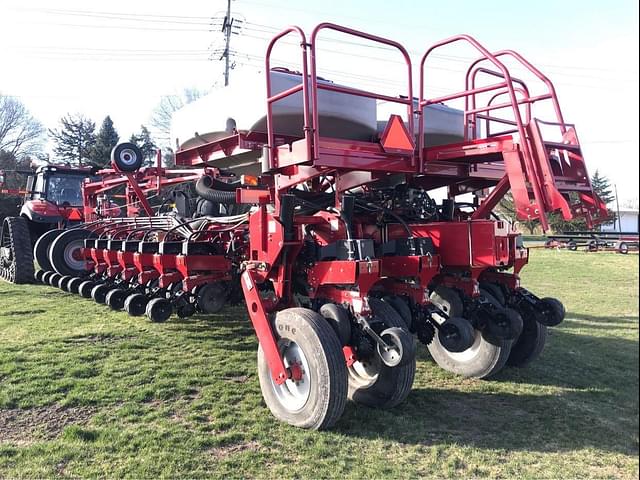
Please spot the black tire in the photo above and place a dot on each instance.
(99, 292)
(38, 275)
(41, 248)
(456, 334)
(54, 278)
(338, 318)
(404, 347)
(211, 297)
(64, 282)
(135, 304)
(126, 157)
(553, 312)
(592, 246)
(448, 300)
(74, 283)
(85, 288)
(305, 336)
(530, 344)
(400, 306)
(371, 382)
(16, 257)
(63, 253)
(571, 245)
(495, 291)
(45, 277)
(159, 310)
(623, 248)
(115, 298)
(482, 360)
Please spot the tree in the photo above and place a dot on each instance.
(162, 114)
(146, 144)
(75, 140)
(106, 139)
(602, 187)
(20, 133)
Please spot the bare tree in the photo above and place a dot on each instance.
(20, 133)
(162, 114)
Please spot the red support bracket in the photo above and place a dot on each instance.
(262, 327)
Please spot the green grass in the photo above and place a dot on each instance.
(87, 392)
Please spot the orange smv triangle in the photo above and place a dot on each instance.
(396, 138)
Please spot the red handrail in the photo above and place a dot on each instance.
(353, 91)
(274, 98)
(508, 83)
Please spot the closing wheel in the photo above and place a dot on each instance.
(16, 257)
(481, 360)
(307, 342)
(73, 284)
(135, 304)
(375, 384)
(553, 312)
(41, 248)
(623, 248)
(506, 324)
(65, 253)
(45, 277)
(211, 297)
(115, 298)
(456, 334)
(126, 157)
(159, 310)
(99, 292)
(85, 288)
(530, 344)
(401, 350)
(63, 283)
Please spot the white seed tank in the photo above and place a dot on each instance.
(242, 107)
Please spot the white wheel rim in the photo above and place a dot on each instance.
(365, 373)
(293, 395)
(470, 353)
(69, 259)
(128, 157)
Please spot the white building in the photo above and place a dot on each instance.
(628, 222)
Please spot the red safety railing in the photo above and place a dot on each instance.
(507, 86)
(315, 86)
(304, 87)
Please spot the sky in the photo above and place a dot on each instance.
(119, 58)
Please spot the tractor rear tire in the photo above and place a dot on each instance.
(16, 257)
(373, 383)
(41, 248)
(318, 400)
(482, 360)
(63, 253)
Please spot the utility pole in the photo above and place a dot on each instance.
(226, 28)
(615, 188)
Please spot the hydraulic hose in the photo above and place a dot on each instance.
(226, 194)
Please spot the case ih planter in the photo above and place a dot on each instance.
(320, 213)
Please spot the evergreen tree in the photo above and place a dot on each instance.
(146, 144)
(75, 140)
(602, 187)
(106, 139)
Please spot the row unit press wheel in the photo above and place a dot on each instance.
(16, 258)
(482, 360)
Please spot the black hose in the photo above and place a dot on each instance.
(204, 190)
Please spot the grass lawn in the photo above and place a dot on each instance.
(87, 392)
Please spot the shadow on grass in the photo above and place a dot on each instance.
(502, 421)
(604, 320)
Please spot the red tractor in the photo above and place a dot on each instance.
(52, 202)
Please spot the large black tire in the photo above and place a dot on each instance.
(482, 360)
(373, 383)
(135, 304)
(41, 248)
(318, 400)
(63, 253)
(16, 258)
(530, 344)
(211, 297)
